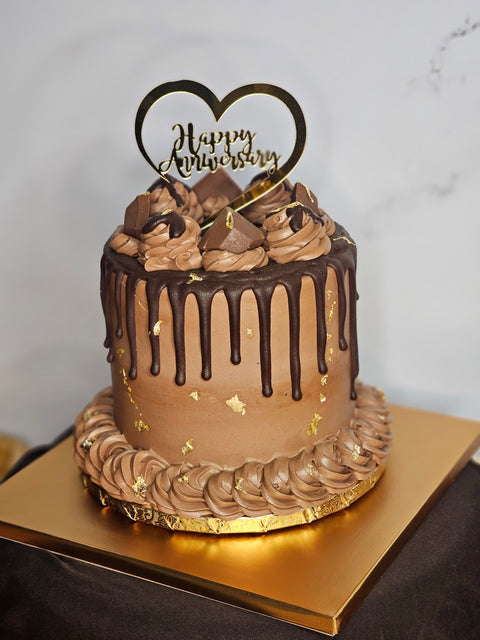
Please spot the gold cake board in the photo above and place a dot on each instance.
(313, 575)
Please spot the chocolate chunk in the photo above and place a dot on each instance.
(216, 184)
(303, 195)
(136, 214)
(231, 232)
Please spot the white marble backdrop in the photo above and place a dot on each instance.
(391, 94)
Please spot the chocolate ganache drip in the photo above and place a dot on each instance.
(342, 259)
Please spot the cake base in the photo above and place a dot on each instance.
(262, 524)
(313, 576)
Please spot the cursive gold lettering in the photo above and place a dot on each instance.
(211, 149)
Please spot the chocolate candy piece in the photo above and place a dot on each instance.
(303, 195)
(231, 232)
(136, 214)
(216, 184)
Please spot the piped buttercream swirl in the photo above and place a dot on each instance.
(275, 199)
(160, 249)
(286, 242)
(218, 260)
(281, 486)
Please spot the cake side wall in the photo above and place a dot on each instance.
(227, 419)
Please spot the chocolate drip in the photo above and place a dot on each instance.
(118, 304)
(233, 300)
(105, 276)
(153, 291)
(176, 223)
(166, 182)
(131, 330)
(264, 304)
(293, 295)
(342, 306)
(296, 217)
(205, 315)
(354, 361)
(342, 259)
(177, 297)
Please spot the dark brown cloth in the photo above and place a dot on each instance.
(431, 591)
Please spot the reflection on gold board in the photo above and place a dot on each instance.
(313, 575)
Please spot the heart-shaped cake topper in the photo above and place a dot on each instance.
(218, 107)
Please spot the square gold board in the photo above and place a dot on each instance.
(313, 575)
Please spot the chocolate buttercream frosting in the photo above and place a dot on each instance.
(281, 486)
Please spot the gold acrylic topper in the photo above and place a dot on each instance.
(275, 175)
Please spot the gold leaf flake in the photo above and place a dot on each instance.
(238, 485)
(329, 335)
(141, 425)
(229, 220)
(312, 426)
(331, 310)
(356, 451)
(194, 278)
(237, 405)
(187, 447)
(140, 486)
(249, 332)
(323, 398)
(120, 352)
(156, 328)
(329, 293)
(311, 468)
(87, 444)
(195, 395)
(182, 479)
(324, 380)
(330, 351)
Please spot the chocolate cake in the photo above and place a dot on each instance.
(235, 405)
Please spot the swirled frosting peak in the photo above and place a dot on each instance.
(278, 197)
(295, 233)
(169, 241)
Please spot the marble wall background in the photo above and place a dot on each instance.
(391, 94)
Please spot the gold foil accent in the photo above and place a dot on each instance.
(331, 311)
(312, 426)
(311, 468)
(237, 405)
(140, 486)
(249, 332)
(193, 277)
(323, 397)
(309, 193)
(141, 425)
(195, 395)
(229, 220)
(120, 352)
(87, 444)
(357, 450)
(324, 380)
(329, 293)
(261, 524)
(329, 335)
(156, 328)
(344, 238)
(330, 351)
(238, 485)
(187, 447)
